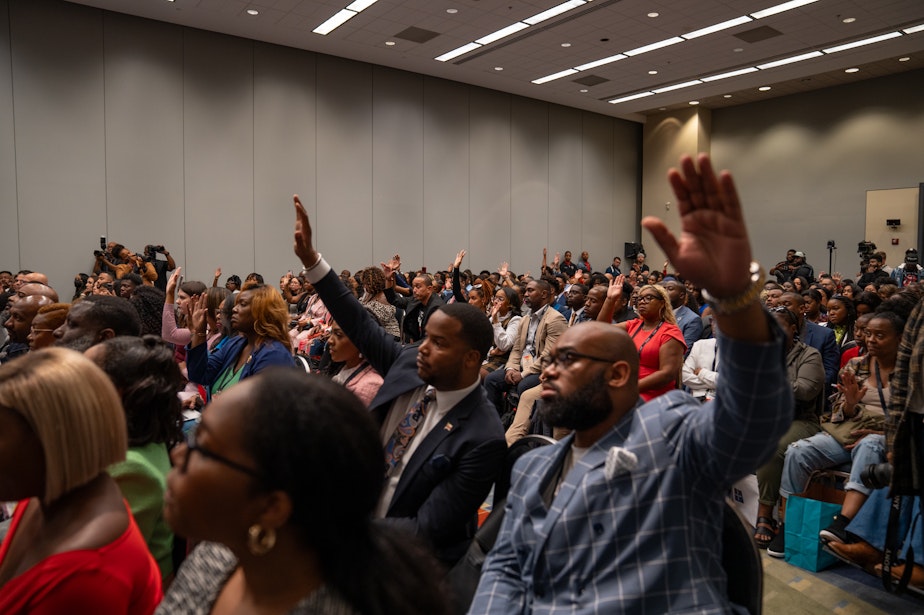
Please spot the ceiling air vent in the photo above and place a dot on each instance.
(591, 80)
(758, 34)
(417, 35)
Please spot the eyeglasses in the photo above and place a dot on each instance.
(192, 445)
(647, 298)
(476, 285)
(564, 359)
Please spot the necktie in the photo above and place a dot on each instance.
(405, 431)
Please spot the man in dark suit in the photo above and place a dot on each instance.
(818, 337)
(440, 473)
(417, 310)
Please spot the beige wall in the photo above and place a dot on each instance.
(151, 133)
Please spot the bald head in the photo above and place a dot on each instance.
(592, 381)
(35, 276)
(21, 315)
(35, 289)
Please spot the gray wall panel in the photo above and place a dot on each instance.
(285, 142)
(803, 163)
(446, 173)
(58, 72)
(218, 150)
(344, 171)
(529, 171)
(144, 159)
(566, 153)
(397, 164)
(597, 189)
(625, 178)
(9, 230)
(489, 217)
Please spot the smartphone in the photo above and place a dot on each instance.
(102, 243)
(179, 281)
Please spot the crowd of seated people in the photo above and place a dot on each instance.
(455, 352)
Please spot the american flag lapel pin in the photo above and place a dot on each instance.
(448, 427)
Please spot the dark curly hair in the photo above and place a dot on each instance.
(148, 380)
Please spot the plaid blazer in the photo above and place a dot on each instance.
(905, 381)
(647, 540)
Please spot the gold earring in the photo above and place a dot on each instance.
(260, 540)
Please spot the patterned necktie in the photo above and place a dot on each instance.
(405, 431)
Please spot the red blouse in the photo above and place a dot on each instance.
(120, 578)
(648, 344)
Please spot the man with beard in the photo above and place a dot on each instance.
(96, 319)
(625, 515)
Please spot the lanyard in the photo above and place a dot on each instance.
(647, 339)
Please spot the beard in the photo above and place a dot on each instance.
(581, 410)
(80, 344)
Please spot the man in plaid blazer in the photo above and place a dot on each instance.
(625, 515)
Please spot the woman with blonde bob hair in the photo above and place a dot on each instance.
(73, 545)
(657, 337)
(260, 318)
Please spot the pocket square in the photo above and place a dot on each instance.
(619, 461)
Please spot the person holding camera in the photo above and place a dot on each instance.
(161, 267)
(128, 263)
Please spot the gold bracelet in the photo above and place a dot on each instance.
(731, 305)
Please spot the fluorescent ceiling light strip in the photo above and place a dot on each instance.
(557, 75)
(596, 63)
(555, 10)
(335, 22)
(731, 23)
(361, 5)
(496, 36)
(734, 73)
(665, 43)
(793, 59)
(781, 8)
(457, 52)
(616, 101)
(914, 29)
(677, 86)
(866, 41)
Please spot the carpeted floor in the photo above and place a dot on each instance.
(841, 589)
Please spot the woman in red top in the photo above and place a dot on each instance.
(656, 335)
(73, 546)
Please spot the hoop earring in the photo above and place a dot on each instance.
(260, 540)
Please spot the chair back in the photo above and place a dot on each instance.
(741, 560)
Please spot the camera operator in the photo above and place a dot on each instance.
(128, 263)
(161, 267)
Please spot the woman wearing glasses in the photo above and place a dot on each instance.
(73, 546)
(656, 335)
(280, 481)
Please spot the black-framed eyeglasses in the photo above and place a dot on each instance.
(192, 445)
(564, 359)
(647, 298)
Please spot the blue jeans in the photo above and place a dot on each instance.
(872, 521)
(822, 452)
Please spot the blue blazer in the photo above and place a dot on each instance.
(451, 472)
(204, 368)
(648, 538)
(822, 339)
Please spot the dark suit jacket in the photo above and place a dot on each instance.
(451, 472)
(822, 339)
(412, 329)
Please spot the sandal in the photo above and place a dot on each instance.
(764, 532)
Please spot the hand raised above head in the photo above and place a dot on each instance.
(614, 291)
(713, 250)
(304, 248)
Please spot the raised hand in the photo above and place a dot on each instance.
(851, 390)
(217, 272)
(459, 256)
(304, 248)
(504, 269)
(713, 250)
(172, 282)
(614, 291)
(197, 314)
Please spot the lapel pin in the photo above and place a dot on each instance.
(448, 427)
